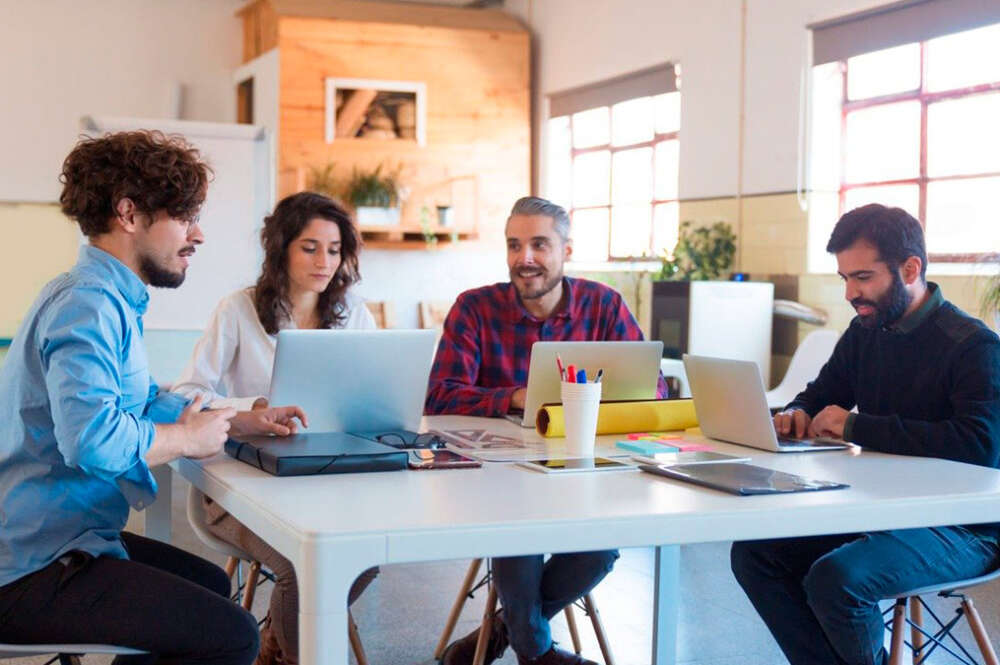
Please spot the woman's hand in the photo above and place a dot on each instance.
(278, 420)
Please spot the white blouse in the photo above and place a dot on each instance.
(232, 362)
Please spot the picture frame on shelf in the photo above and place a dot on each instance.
(376, 110)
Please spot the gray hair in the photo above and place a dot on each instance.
(534, 205)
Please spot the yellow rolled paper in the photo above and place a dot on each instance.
(618, 417)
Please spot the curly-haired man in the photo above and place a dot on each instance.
(82, 422)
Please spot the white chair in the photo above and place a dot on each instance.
(808, 359)
(65, 654)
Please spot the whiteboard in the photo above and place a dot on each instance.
(238, 199)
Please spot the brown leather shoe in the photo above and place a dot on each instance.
(556, 656)
(463, 650)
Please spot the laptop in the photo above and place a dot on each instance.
(731, 404)
(631, 371)
(354, 380)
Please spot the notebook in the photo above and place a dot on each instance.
(315, 453)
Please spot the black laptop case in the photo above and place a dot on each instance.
(314, 453)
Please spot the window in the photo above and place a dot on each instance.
(614, 167)
(918, 129)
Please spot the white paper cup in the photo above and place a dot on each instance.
(580, 405)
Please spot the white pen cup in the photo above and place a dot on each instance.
(580, 402)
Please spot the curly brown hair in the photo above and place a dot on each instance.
(284, 225)
(156, 171)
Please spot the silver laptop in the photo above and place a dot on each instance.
(631, 371)
(731, 404)
(354, 380)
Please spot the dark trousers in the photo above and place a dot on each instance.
(533, 590)
(162, 600)
(819, 596)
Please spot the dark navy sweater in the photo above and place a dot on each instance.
(927, 386)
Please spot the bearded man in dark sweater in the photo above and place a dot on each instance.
(925, 378)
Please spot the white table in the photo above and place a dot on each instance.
(335, 526)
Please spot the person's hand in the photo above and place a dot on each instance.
(829, 422)
(792, 422)
(204, 431)
(278, 420)
(517, 399)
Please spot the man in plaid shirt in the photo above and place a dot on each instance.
(481, 369)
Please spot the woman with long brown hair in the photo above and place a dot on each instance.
(310, 262)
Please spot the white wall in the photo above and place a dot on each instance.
(586, 41)
(64, 58)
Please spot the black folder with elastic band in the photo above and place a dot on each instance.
(315, 453)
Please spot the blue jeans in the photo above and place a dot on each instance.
(533, 590)
(819, 596)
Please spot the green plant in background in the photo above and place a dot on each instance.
(425, 226)
(373, 188)
(321, 180)
(989, 303)
(702, 253)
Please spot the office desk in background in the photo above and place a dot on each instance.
(336, 526)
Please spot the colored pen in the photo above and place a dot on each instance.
(571, 374)
(562, 372)
(600, 374)
(581, 376)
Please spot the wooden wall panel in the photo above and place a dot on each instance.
(478, 107)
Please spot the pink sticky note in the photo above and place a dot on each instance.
(692, 447)
(635, 436)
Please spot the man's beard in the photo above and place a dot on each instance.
(545, 288)
(889, 307)
(159, 276)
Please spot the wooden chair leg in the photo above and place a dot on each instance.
(898, 632)
(231, 564)
(917, 621)
(456, 609)
(602, 636)
(574, 633)
(251, 587)
(979, 632)
(355, 638)
(486, 627)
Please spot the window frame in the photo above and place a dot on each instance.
(574, 152)
(925, 98)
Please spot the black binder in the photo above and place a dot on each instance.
(315, 453)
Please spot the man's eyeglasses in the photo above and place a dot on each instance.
(402, 439)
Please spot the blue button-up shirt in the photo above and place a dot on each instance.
(77, 414)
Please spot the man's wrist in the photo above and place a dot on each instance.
(849, 426)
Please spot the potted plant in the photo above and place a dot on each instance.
(375, 196)
(990, 301)
(702, 253)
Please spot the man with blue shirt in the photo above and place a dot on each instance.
(81, 423)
